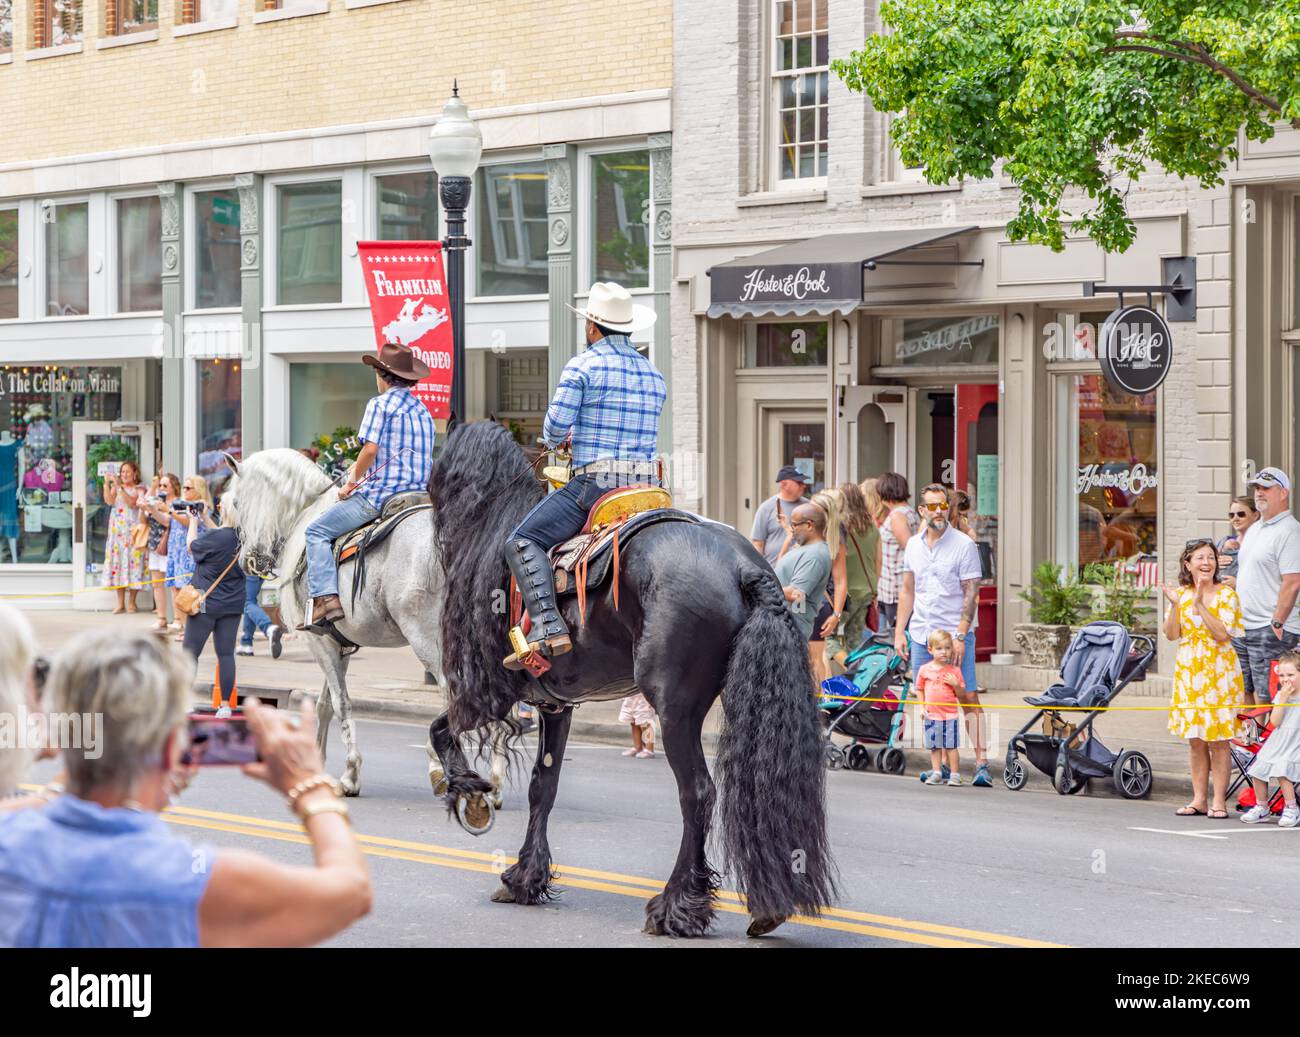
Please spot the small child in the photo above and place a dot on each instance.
(637, 711)
(937, 683)
(1280, 757)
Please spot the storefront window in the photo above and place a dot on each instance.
(219, 421)
(803, 444)
(8, 264)
(787, 345)
(216, 249)
(67, 281)
(38, 404)
(1115, 473)
(408, 207)
(931, 341)
(326, 397)
(310, 243)
(139, 255)
(521, 396)
(620, 216)
(511, 236)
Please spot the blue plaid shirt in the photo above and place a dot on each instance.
(403, 429)
(610, 396)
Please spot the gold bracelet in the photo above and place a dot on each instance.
(314, 782)
(325, 806)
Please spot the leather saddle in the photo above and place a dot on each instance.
(586, 560)
(398, 507)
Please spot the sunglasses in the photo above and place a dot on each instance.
(796, 525)
(1202, 542)
(1238, 514)
(934, 508)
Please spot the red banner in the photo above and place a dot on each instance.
(409, 305)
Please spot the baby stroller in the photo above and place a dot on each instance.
(1100, 662)
(876, 671)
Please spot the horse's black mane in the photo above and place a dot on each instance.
(481, 486)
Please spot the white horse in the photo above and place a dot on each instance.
(274, 496)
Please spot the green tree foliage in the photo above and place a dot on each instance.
(1077, 97)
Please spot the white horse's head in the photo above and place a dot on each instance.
(268, 493)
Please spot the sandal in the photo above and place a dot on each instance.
(1189, 811)
(1217, 815)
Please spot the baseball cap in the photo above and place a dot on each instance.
(791, 472)
(1267, 477)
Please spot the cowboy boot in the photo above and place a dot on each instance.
(326, 609)
(531, 568)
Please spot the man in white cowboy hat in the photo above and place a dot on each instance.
(397, 432)
(608, 402)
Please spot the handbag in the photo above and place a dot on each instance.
(140, 535)
(190, 601)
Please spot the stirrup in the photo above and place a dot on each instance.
(533, 656)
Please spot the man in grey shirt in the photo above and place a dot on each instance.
(1268, 580)
(803, 571)
(768, 534)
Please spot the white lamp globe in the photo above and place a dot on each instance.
(455, 142)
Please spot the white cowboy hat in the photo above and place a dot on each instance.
(611, 306)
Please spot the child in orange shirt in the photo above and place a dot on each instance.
(937, 684)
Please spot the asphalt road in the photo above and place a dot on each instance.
(920, 866)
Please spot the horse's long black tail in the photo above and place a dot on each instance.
(770, 763)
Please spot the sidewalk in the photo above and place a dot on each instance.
(388, 684)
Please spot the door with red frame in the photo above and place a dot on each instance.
(978, 474)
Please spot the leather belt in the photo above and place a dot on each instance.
(619, 468)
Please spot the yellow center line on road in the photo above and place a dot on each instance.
(927, 933)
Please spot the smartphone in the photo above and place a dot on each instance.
(224, 742)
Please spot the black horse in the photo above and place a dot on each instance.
(699, 611)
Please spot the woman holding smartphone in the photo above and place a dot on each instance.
(124, 561)
(180, 566)
(217, 574)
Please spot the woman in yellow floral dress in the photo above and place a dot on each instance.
(1204, 617)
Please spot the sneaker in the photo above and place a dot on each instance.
(223, 713)
(273, 634)
(943, 771)
(1256, 815)
(955, 780)
(934, 779)
(982, 779)
(1290, 818)
(244, 650)
(646, 754)
(630, 752)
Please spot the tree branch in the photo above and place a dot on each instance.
(1198, 56)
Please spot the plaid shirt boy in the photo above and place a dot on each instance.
(610, 396)
(403, 429)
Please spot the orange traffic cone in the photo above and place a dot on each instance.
(216, 691)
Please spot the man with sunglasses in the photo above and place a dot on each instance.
(941, 578)
(1268, 580)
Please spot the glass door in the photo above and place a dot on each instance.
(98, 448)
(871, 435)
(796, 437)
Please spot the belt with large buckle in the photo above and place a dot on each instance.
(619, 468)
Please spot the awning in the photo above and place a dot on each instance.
(821, 275)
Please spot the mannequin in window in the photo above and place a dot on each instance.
(40, 437)
(9, 448)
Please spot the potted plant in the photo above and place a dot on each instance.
(1117, 597)
(1056, 599)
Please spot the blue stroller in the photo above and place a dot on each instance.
(1101, 661)
(876, 671)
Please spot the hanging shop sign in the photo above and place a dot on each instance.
(409, 305)
(1136, 350)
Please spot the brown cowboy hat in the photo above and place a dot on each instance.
(398, 360)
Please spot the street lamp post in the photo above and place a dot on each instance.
(455, 145)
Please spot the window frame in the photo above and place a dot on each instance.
(475, 231)
(352, 188)
(771, 163)
(191, 243)
(17, 210)
(118, 28)
(585, 211)
(40, 257)
(114, 254)
(749, 346)
(7, 50)
(371, 224)
(45, 10)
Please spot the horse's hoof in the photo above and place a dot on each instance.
(653, 928)
(502, 895)
(438, 780)
(350, 786)
(475, 813)
(496, 800)
(763, 926)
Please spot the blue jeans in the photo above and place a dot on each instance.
(343, 517)
(562, 514)
(255, 617)
(921, 655)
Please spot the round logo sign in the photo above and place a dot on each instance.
(1135, 350)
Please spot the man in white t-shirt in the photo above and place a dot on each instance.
(1268, 580)
(768, 533)
(940, 589)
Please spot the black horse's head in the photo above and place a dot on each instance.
(481, 487)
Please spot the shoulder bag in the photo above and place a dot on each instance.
(191, 601)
